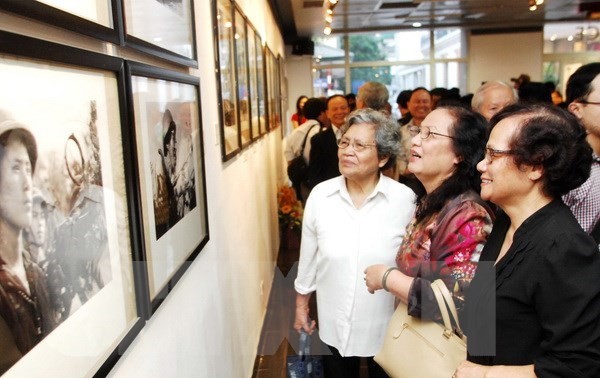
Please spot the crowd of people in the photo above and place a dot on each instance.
(497, 194)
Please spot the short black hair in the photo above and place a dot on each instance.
(550, 137)
(579, 85)
(313, 108)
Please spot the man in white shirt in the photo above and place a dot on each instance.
(314, 112)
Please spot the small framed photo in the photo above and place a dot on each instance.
(69, 305)
(225, 55)
(100, 19)
(253, 84)
(166, 120)
(243, 87)
(262, 86)
(163, 28)
(273, 104)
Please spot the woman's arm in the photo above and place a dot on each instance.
(470, 370)
(447, 248)
(302, 320)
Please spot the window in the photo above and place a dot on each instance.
(401, 60)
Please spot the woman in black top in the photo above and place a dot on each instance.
(533, 307)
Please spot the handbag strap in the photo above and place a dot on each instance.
(306, 136)
(445, 302)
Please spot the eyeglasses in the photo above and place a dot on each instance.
(424, 132)
(491, 154)
(356, 146)
(588, 102)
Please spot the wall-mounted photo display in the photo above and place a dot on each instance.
(262, 89)
(243, 87)
(272, 73)
(226, 76)
(163, 28)
(253, 84)
(166, 120)
(283, 100)
(67, 285)
(100, 19)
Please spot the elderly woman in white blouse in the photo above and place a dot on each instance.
(351, 222)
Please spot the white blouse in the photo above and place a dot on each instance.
(338, 242)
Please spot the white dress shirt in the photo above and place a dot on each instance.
(338, 242)
(294, 141)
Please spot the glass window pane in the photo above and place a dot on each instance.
(451, 75)
(571, 37)
(359, 76)
(390, 46)
(407, 77)
(328, 81)
(329, 50)
(449, 43)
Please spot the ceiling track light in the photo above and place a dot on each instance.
(533, 4)
(327, 30)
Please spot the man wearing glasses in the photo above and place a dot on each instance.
(583, 100)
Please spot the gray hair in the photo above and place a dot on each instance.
(494, 84)
(374, 95)
(387, 132)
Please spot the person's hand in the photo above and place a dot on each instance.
(303, 321)
(373, 276)
(470, 370)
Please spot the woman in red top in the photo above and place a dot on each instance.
(297, 118)
(451, 222)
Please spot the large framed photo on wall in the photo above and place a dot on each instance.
(96, 18)
(67, 285)
(163, 28)
(168, 133)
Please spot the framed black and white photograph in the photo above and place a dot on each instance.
(226, 78)
(253, 84)
(163, 28)
(68, 303)
(168, 132)
(243, 88)
(100, 19)
(283, 101)
(262, 86)
(273, 104)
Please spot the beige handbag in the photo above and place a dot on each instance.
(423, 348)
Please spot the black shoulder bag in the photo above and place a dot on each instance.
(297, 169)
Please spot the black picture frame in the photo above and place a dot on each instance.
(162, 28)
(272, 80)
(166, 124)
(262, 86)
(282, 92)
(253, 83)
(242, 75)
(77, 115)
(224, 46)
(111, 30)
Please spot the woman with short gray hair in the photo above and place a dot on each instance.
(350, 222)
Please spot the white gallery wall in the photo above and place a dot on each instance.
(210, 324)
(504, 56)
